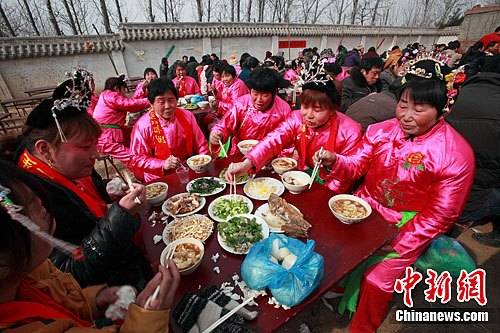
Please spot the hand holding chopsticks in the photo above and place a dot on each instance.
(129, 183)
(322, 157)
(170, 256)
(317, 165)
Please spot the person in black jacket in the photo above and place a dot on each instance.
(476, 115)
(58, 146)
(363, 80)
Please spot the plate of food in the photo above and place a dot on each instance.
(190, 106)
(206, 186)
(193, 226)
(183, 204)
(238, 234)
(228, 206)
(261, 188)
(241, 179)
(281, 216)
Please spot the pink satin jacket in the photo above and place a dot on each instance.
(230, 94)
(430, 174)
(244, 122)
(142, 143)
(288, 134)
(192, 87)
(111, 109)
(139, 92)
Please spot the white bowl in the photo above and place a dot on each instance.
(203, 105)
(194, 241)
(199, 168)
(158, 199)
(242, 144)
(345, 219)
(280, 169)
(302, 177)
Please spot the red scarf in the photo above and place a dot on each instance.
(303, 141)
(162, 149)
(87, 191)
(182, 87)
(35, 306)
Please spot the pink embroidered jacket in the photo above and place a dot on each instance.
(430, 174)
(139, 90)
(230, 94)
(111, 109)
(288, 134)
(191, 85)
(244, 122)
(142, 143)
(291, 75)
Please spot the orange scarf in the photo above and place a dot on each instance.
(162, 149)
(303, 141)
(87, 191)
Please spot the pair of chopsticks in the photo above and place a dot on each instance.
(223, 149)
(128, 180)
(170, 255)
(232, 188)
(227, 315)
(317, 165)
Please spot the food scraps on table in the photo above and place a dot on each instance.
(240, 232)
(283, 215)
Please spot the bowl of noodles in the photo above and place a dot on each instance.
(188, 253)
(156, 193)
(199, 163)
(349, 209)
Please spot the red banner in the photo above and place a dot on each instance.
(294, 44)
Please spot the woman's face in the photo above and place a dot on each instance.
(227, 79)
(74, 159)
(180, 72)
(415, 118)
(315, 115)
(150, 76)
(217, 76)
(261, 100)
(165, 105)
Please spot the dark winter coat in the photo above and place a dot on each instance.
(109, 254)
(476, 115)
(373, 109)
(355, 87)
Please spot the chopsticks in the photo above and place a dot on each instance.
(232, 188)
(223, 149)
(170, 255)
(227, 315)
(129, 183)
(317, 165)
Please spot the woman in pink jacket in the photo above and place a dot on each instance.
(415, 165)
(231, 90)
(141, 89)
(185, 84)
(318, 124)
(166, 135)
(110, 112)
(254, 115)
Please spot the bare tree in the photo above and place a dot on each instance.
(70, 17)
(52, 18)
(354, 10)
(30, 16)
(119, 10)
(77, 21)
(374, 13)
(105, 16)
(199, 6)
(249, 10)
(232, 10)
(238, 8)
(150, 11)
(6, 21)
(261, 4)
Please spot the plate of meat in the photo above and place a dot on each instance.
(183, 204)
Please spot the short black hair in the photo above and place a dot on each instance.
(244, 57)
(266, 80)
(159, 87)
(395, 47)
(492, 64)
(453, 45)
(180, 64)
(371, 62)
(251, 62)
(497, 29)
(149, 70)
(228, 69)
(115, 83)
(428, 91)
(333, 68)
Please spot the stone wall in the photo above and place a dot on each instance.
(478, 22)
(27, 63)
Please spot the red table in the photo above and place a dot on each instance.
(342, 246)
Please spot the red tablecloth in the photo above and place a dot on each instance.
(342, 246)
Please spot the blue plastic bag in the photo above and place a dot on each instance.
(289, 287)
(446, 254)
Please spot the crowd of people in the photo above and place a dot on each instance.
(412, 131)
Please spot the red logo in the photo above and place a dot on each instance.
(407, 284)
(439, 286)
(472, 286)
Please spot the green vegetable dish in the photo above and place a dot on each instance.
(205, 185)
(226, 207)
(239, 180)
(240, 233)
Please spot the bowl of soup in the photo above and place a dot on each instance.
(246, 145)
(283, 164)
(199, 163)
(295, 181)
(188, 253)
(349, 209)
(156, 193)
